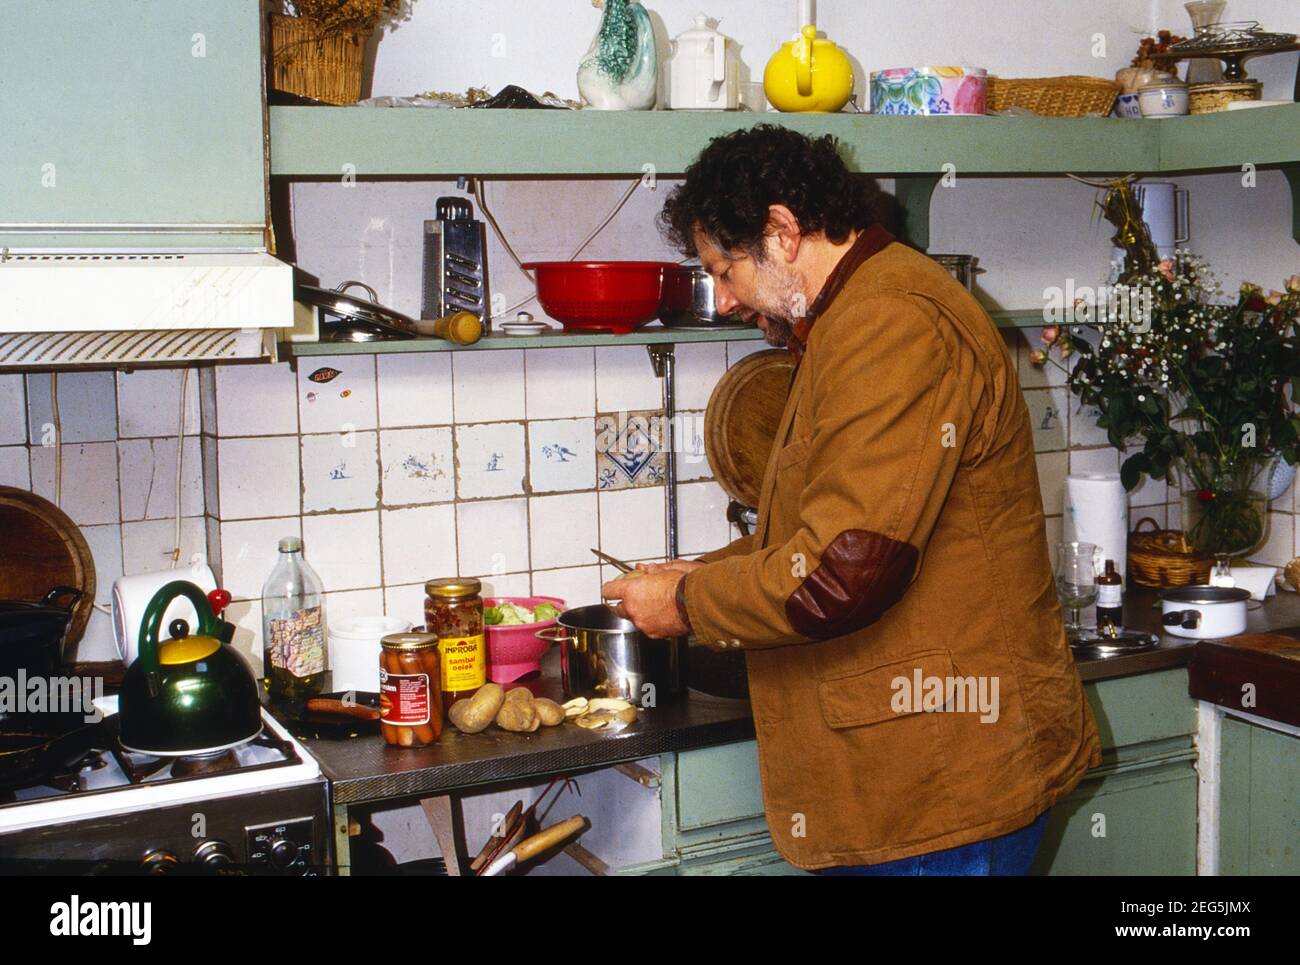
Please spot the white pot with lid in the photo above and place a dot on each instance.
(1204, 612)
(704, 70)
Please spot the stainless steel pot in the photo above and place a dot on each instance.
(964, 268)
(604, 655)
(688, 300)
(1204, 612)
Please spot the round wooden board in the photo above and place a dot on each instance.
(42, 548)
(741, 421)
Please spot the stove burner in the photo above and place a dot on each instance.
(205, 764)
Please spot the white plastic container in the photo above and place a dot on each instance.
(354, 650)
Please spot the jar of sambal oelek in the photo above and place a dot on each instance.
(453, 610)
(410, 689)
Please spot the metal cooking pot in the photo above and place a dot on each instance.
(964, 268)
(32, 634)
(604, 655)
(1204, 612)
(688, 301)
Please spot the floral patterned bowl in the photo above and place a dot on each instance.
(934, 91)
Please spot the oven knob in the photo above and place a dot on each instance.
(283, 852)
(158, 862)
(214, 854)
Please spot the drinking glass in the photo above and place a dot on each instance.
(1076, 580)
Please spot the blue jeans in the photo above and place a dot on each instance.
(1011, 854)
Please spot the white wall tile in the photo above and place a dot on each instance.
(561, 455)
(13, 410)
(493, 537)
(507, 584)
(340, 471)
(15, 467)
(353, 603)
(1094, 460)
(632, 523)
(246, 615)
(739, 350)
(148, 402)
(405, 602)
(344, 549)
(148, 471)
(1049, 417)
(105, 544)
(90, 493)
(1279, 544)
(147, 546)
(419, 543)
(1053, 467)
(344, 403)
(625, 380)
(561, 383)
(564, 529)
(702, 518)
(87, 406)
(417, 466)
(1084, 430)
(415, 389)
(256, 400)
(258, 477)
(489, 386)
(489, 460)
(576, 585)
(699, 365)
(250, 549)
(688, 439)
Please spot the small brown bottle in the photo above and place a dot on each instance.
(1110, 598)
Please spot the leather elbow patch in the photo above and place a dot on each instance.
(860, 576)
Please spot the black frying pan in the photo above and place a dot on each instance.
(31, 745)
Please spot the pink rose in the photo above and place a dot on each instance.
(1167, 269)
(1049, 334)
(1273, 298)
(1293, 283)
(1038, 357)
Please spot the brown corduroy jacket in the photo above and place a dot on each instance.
(911, 683)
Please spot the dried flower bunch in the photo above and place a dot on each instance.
(351, 16)
(1153, 52)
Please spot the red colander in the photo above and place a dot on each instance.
(616, 296)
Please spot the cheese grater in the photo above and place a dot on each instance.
(455, 262)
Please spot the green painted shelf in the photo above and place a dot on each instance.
(645, 336)
(330, 142)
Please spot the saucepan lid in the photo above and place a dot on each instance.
(366, 319)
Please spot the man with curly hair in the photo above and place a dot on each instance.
(916, 705)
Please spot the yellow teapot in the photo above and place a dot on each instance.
(808, 75)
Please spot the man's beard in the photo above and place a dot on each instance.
(780, 300)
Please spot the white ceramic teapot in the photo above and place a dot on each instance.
(704, 70)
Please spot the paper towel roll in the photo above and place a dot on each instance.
(131, 594)
(1096, 511)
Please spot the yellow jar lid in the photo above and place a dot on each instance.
(187, 650)
(454, 587)
(414, 640)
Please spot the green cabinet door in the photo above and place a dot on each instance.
(1259, 803)
(132, 123)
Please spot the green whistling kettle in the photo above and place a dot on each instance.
(191, 695)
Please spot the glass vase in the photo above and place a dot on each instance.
(1224, 520)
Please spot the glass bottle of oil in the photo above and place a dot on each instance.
(293, 626)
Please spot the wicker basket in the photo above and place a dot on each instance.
(1072, 96)
(1292, 573)
(1213, 98)
(305, 62)
(1163, 557)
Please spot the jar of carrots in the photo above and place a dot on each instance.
(410, 689)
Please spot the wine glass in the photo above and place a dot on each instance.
(1076, 580)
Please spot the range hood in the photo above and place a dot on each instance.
(62, 309)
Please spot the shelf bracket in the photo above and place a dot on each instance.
(1292, 172)
(913, 195)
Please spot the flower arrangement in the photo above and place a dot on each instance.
(1199, 379)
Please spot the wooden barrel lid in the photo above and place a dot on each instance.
(42, 548)
(742, 419)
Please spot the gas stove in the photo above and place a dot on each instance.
(261, 807)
